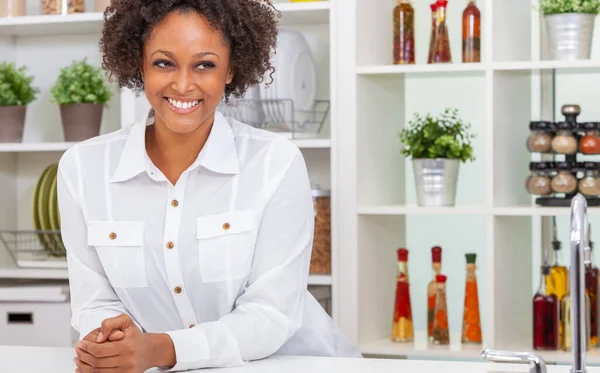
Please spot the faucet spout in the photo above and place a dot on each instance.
(579, 237)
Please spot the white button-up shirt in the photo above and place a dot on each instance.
(219, 260)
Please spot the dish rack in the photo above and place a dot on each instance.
(35, 248)
(279, 116)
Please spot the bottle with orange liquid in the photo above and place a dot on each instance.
(436, 265)
(402, 328)
(441, 333)
(558, 278)
(471, 329)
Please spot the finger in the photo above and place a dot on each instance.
(83, 367)
(101, 349)
(116, 335)
(102, 362)
(108, 325)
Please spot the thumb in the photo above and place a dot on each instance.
(120, 322)
(116, 335)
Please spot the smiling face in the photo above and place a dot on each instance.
(185, 69)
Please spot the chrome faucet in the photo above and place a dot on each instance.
(579, 244)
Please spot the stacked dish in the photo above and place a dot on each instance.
(46, 217)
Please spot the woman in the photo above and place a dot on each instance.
(189, 234)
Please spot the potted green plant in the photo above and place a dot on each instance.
(82, 94)
(16, 92)
(437, 146)
(570, 27)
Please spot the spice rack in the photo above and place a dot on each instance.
(557, 181)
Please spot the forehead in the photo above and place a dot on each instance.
(186, 30)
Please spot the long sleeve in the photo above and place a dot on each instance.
(270, 310)
(92, 296)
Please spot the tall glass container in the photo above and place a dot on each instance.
(471, 330)
(404, 33)
(591, 289)
(433, 30)
(441, 50)
(557, 282)
(436, 267)
(402, 329)
(545, 316)
(471, 33)
(441, 332)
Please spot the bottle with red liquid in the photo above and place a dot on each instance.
(441, 48)
(404, 33)
(441, 331)
(402, 328)
(471, 33)
(433, 29)
(436, 266)
(545, 316)
(591, 289)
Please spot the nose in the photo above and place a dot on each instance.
(182, 82)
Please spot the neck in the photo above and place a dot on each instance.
(174, 152)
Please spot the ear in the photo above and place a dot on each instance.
(230, 75)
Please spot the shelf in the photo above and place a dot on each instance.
(545, 65)
(313, 143)
(319, 280)
(398, 209)
(421, 348)
(35, 147)
(91, 22)
(419, 69)
(539, 211)
(34, 274)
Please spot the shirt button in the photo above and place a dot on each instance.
(112, 235)
(226, 226)
(174, 203)
(177, 290)
(170, 245)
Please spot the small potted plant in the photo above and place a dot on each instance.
(570, 27)
(16, 92)
(437, 146)
(82, 94)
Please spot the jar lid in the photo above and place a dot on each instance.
(564, 126)
(570, 109)
(564, 166)
(589, 125)
(591, 166)
(540, 125)
(540, 166)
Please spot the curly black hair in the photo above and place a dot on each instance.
(248, 26)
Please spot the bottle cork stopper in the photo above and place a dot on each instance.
(402, 255)
(436, 254)
(471, 257)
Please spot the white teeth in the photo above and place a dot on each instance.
(183, 105)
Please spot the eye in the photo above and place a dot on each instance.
(205, 65)
(163, 64)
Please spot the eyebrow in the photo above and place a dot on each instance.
(199, 55)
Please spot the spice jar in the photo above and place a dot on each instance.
(62, 6)
(590, 143)
(539, 181)
(564, 142)
(564, 181)
(12, 8)
(540, 139)
(589, 185)
(320, 262)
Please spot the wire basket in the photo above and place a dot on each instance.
(279, 116)
(35, 249)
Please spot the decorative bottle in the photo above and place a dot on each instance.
(433, 29)
(471, 33)
(441, 333)
(545, 316)
(404, 33)
(591, 289)
(471, 329)
(402, 329)
(565, 311)
(436, 265)
(441, 49)
(558, 280)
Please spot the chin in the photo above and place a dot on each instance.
(183, 120)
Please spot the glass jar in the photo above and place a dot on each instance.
(590, 143)
(564, 142)
(12, 8)
(320, 260)
(539, 182)
(540, 139)
(564, 181)
(62, 6)
(589, 185)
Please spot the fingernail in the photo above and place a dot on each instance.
(99, 337)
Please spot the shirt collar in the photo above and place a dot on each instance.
(219, 153)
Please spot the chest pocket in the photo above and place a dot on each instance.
(121, 251)
(226, 245)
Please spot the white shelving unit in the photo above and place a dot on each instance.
(494, 216)
(45, 43)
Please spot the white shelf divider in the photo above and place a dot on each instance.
(34, 147)
(320, 280)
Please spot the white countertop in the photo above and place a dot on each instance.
(60, 360)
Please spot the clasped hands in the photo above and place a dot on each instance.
(120, 346)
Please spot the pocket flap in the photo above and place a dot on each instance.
(223, 224)
(115, 233)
